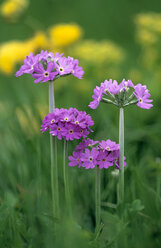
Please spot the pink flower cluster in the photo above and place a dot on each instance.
(89, 154)
(119, 94)
(46, 66)
(68, 124)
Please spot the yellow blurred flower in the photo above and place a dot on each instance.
(84, 86)
(13, 8)
(150, 58)
(62, 35)
(150, 21)
(25, 119)
(38, 41)
(98, 51)
(14, 52)
(42, 110)
(135, 75)
(146, 37)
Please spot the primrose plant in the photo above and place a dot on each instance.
(46, 67)
(67, 124)
(91, 154)
(70, 124)
(121, 95)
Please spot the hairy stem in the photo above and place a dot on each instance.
(121, 158)
(53, 153)
(66, 182)
(98, 196)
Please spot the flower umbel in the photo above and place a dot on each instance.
(46, 66)
(90, 154)
(121, 95)
(63, 123)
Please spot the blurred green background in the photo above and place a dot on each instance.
(111, 39)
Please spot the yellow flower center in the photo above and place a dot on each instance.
(90, 158)
(46, 74)
(71, 131)
(52, 121)
(58, 128)
(61, 69)
(107, 148)
(76, 122)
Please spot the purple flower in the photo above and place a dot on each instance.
(98, 93)
(58, 130)
(49, 121)
(91, 142)
(108, 145)
(29, 65)
(84, 132)
(113, 87)
(75, 159)
(142, 94)
(82, 145)
(105, 159)
(88, 120)
(66, 116)
(44, 56)
(71, 132)
(44, 75)
(89, 158)
(115, 155)
(64, 66)
(124, 85)
(85, 143)
(79, 121)
(57, 56)
(77, 71)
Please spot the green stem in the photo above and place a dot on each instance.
(65, 174)
(53, 152)
(105, 100)
(98, 196)
(158, 183)
(121, 158)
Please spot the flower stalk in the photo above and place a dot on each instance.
(121, 158)
(66, 181)
(53, 153)
(98, 196)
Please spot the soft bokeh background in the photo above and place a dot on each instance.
(111, 39)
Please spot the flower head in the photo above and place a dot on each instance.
(93, 153)
(68, 124)
(46, 66)
(121, 95)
